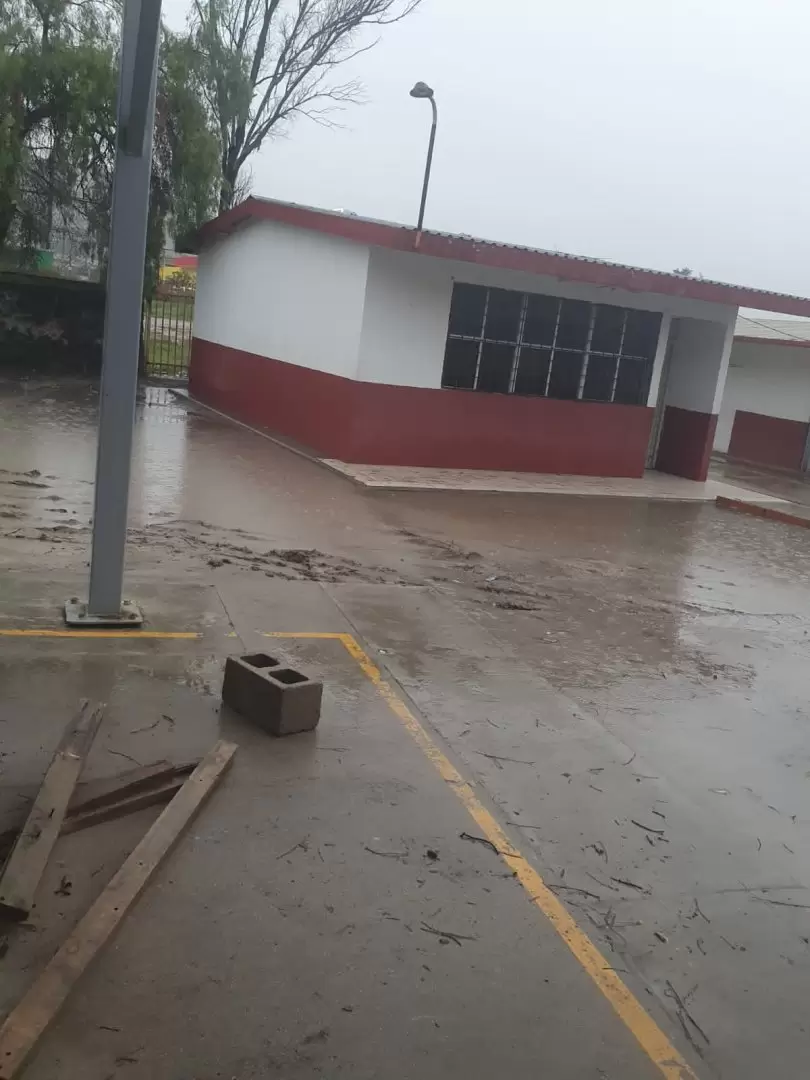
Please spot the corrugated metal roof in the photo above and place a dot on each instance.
(482, 242)
(540, 261)
(785, 331)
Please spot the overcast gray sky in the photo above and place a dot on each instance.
(663, 133)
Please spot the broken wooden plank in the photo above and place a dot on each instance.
(26, 863)
(110, 792)
(31, 1017)
(109, 811)
(114, 797)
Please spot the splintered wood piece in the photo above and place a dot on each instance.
(29, 856)
(31, 1017)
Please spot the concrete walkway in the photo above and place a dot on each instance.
(327, 914)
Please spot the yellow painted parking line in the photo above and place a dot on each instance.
(629, 1009)
(140, 634)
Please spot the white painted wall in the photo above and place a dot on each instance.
(699, 355)
(407, 309)
(381, 316)
(290, 294)
(405, 320)
(764, 378)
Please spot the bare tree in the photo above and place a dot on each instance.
(264, 62)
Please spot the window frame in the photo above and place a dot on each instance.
(554, 349)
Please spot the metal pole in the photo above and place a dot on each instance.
(426, 181)
(122, 318)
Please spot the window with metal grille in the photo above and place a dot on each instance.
(506, 342)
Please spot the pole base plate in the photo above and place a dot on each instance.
(130, 617)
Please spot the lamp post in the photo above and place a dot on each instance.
(137, 81)
(422, 90)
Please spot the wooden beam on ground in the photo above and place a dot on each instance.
(26, 863)
(29, 1020)
(117, 796)
(139, 800)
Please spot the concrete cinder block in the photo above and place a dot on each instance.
(271, 694)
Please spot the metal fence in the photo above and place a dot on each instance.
(167, 328)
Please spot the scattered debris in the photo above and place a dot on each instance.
(315, 1037)
(698, 911)
(574, 889)
(479, 840)
(147, 727)
(120, 753)
(684, 1015)
(65, 887)
(647, 828)
(497, 758)
(30, 1018)
(387, 854)
(778, 903)
(631, 885)
(303, 844)
(447, 934)
(599, 848)
(431, 854)
(731, 945)
(631, 759)
(661, 937)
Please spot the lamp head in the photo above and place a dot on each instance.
(421, 90)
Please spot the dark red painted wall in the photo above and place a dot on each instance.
(767, 440)
(373, 423)
(685, 446)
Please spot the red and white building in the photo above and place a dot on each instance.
(347, 336)
(765, 413)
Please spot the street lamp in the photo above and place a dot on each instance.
(422, 90)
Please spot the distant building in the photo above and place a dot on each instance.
(174, 264)
(367, 344)
(765, 412)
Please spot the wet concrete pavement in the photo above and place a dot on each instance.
(624, 682)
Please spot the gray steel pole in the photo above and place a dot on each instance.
(428, 164)
(122, 320)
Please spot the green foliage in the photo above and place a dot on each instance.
(58, 83)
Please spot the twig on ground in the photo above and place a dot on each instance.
(574, 889)
(631, 759)
(301, 844)
(148, 727)
(647, 828)
(120, 753)
(479, 840)
(387, 854)
(457, 938)
(699, 912)
(778, 903)
(499, 757)
(684, 1014)
(631, 885)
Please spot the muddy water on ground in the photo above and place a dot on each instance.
(596, 663)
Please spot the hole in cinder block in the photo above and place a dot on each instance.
(261, 660)
(289, 677)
